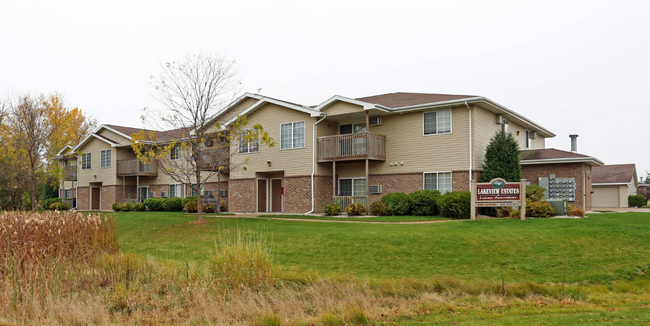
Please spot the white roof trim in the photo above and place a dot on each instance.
(60, 153)
(365, 105)
(264, 100)
(85, 140)
(612, 184)
(113, 130)
(589, 160)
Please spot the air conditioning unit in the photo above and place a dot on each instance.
(163, 194)
(152, 194)
(207, 193)
(223, 193)
(533, 135)
(375, 121)
(500, 120)
(375, 189)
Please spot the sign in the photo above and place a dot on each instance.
(498, 193)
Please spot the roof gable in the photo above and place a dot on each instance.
(401, 99)
(555, 156)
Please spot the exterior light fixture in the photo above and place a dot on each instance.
(268, 163)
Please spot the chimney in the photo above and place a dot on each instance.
(574, 143)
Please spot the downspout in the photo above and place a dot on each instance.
(470, 146)
(313, 163)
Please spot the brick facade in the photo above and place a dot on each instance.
(297, 194)
(241, 195)
(83, 200)
(533, 172)
(108, 197)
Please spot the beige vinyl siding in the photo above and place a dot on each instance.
(339, 107)
(234, 111)
(105, 175)
(115, 137)
(125, 153)
(292, 161)
(631, 190)
(406, 142)
(537, 143)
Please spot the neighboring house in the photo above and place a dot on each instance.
(612, 184)
(642, 189)
(342, 150)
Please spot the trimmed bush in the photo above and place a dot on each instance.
(398, 203)
(539, 209)
(378, 208)
(47, 204)
(191, 207)
(456, 204)
(116, 207)
(60, 206)
(576, 212)
(189, 199)
(127, 207)
(173, 204)
(212, 208)
(636, 201)
(425, 202)
(154, 204)
(138, 207)
(332, 209)
(534, 192)
(355, 209)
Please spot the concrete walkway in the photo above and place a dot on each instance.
(619, 210)
(307, 219)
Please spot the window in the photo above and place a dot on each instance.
(440, 181)
(246, 143)
(194, 191)
(175, 153)
(105, 158)
(67, 163)
(67, 193)
(143, 193)
(352, 187)
(353, 128)
(86, 159)
(437, 122)
(292, 135)
(528, 139)
(175, 190)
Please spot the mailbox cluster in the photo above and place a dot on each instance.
(560, 188)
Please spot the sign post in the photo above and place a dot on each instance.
(499, 193)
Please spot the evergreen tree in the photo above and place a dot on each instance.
(502, 158)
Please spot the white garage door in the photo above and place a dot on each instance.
(605, 197)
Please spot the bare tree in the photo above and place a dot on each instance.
(192, 92)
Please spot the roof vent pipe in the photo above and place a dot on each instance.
(574, 143)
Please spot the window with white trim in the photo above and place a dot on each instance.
(248, 142)
(440, 181)
(86, 159)
(437, 122)
(105, 158)
(175, 152)
(292, 135)
(194, 190)
(529, 141)
(143, 193)
(352, 187)
(67, 193)
(174, 190)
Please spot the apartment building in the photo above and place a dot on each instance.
(340, 150)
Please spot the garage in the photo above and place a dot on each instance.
(605, 197)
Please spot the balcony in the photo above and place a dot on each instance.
(351, 147)
(127, 168)
(211, 160)
(70, 173)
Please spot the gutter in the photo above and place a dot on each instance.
(313, 163)
(470, 146)
(589, 160)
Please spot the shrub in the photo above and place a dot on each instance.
(505, 211)
(539, 209)
(332, 209)
(378, 208)
(576, 212)
(138, 207)
(209, 208)
(515, 213)
(456, 204)
(126, 207)
(424, 202)
(173, 204)
(534, 192)
(398, 203)
(188, 199)
(191, 207)
(48, 202)
(59, 206)
(116, 207)
(355, 209)
(636, 201)
(154, 204)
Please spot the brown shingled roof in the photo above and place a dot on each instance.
(396, 100)
(547, 153)
(615, 173)
(160, 135)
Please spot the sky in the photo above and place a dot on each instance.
(573, 67)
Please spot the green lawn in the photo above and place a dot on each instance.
(602, 248)
(362, 219)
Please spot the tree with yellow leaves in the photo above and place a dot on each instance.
(195, 147)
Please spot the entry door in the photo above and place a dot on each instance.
(276, 195)
(96, 197)
(262, 195)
